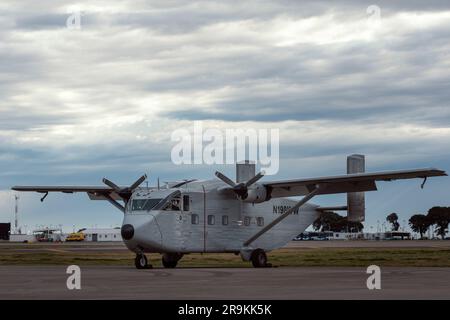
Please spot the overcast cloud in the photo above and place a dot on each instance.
(77, 105)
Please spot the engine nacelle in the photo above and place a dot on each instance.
(256, 193)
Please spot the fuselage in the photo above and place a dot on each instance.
(201, 216)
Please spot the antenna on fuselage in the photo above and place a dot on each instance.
(158, 183)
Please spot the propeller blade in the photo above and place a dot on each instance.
(138, 182)
(111, 184)
(225, 179)
(255, 179)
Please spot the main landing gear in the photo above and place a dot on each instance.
(259, 259)
(141, 262)
(170, 260)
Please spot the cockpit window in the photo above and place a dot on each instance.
(171, 202)
(172, 205)
(144, 204)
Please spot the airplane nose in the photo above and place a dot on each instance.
(127, 231)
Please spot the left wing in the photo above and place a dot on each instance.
(345, 183)
(94, 192)
(111, 192)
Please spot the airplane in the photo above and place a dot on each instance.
(245, 217)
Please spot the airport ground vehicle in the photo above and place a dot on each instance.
(76, 236)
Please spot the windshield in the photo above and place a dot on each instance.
(171, 202)
(144, 204)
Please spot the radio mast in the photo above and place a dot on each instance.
(16, 214)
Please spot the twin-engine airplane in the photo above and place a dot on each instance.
(246, 217)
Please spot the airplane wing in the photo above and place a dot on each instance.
(94, 193)
(345, 183)
(111, 192)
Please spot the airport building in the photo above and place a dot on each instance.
(388, 235)
(56, 235)
(101, 234)
(22, 238)
(329, 235)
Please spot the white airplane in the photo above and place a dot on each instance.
(245, 217)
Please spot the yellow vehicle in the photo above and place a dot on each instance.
(76, 236)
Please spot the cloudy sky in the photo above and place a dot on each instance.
(78, 104)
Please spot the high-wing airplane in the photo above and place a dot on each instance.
(246, 217)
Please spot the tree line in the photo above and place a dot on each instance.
(420, 223)
(331, 221)
(436, 216)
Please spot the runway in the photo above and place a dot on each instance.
(123, 282)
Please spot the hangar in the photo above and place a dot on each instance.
(5, 229)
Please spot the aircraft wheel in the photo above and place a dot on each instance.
(259, 258)
(170, 261)
(169, 264)
(141, 262)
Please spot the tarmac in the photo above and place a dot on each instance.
(124, 282)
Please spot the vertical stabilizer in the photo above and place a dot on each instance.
(356, 200)
(245, 170)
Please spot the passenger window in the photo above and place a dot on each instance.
(225, 220)
(247, 221)
(185, 203)
(260, 221)
(211, 219)
(194, 219)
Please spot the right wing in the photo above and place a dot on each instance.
(356, 182)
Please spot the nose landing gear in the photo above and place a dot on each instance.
(141, 262)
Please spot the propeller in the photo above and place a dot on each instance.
(125, 193)
(241, 189)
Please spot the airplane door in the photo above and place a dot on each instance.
(193, 230)
(94, 237)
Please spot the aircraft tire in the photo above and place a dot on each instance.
(169, 263)
(259, 258)
(141, 261)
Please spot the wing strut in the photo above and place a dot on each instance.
(304, 200)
